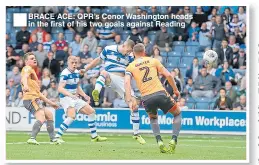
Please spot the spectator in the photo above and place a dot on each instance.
(60, 43)
(193, 32)
(157, 55)
(7, 96)
(75, 45)
(48, 42)
(81, 30)
(189, 87)
(106, 34)
(179, 77)
(239, 62)
(7, 38)
(223, 102)
(240, 38)
(241, 14)
(241, 105)
(204, 37)
(181, 32)
(59, 55)
(19, 101)
(231, 93)
(227, 16)
(53, 93)
(225, 53)
(15, 75)
(20, 64)
(210, 69)
(91, 41)
(164, 40)
(218, 31)
(193, 71)
(85, 54)
(11, 57)
(22, 37)
(34, 43)
(148, 46)
(13, 90)
(236, 23)
(204, 85)
(225, 74)
(46, 78)
(181, 104)
(135, 36)
(188, 12)
(40, 33)
(233, 44)
(97, 53)
(52, 64)
(210, 23)
(25, 49)
(199, 17)
(109, 96)
(40, 55)
(213, 13)
(168, 87)
(117, 40)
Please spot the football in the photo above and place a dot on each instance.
(210, 57)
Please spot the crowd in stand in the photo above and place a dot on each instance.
(220, 85)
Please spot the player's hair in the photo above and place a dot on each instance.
(71, 57)
(139, 48)
(25, 58)
(129, 43)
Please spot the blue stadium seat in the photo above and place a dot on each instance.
(54, 36)
(179, 43)
(8, 26)
(190, 103)
(69, 37)
(108, 11)
(25, 10)
(179, 49)
(57, 30)
(163, 9)
(170, 65)
(152, 37)
(203, 103)
(95, 10)
(174, 54)
(9, 17)
(199, 54)
(163, 54)
(68, 32)
(186, 60)
(192, 46)
(182, 65)
(189, 54)
(164, 60)
(174, 61)
(13, 10)
(124, 35)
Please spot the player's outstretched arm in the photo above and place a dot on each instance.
(46, 100)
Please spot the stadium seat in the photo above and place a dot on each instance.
(164, 60)
(124, 35)
(57, 30)
(173, 60)
(68, 32)
(95, 10)
(69, 37)
(9, 17)
(186, 60)
(179, 43)
(163, 54)
(152, 37)
(174, 54)
(190, 103)
(108, 11)
(192, 46)
(171, 65)
(8, 26)
(25, 10)
(203, 103)
(199, 54)
(189, 54)
(13, 10)
(179, 49)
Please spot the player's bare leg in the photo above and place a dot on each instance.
(176, 128)
(40, 119)
(50, 127)
(88, 110)
(134, 116)
(156, 131)
(100, 83)
(71, 115)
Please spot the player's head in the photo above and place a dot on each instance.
(127, 47)
(222, 92)
(139, 50)
(72, 63)
(30, 60)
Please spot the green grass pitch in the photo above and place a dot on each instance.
(123, 147)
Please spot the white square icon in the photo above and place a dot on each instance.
(19, 19)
